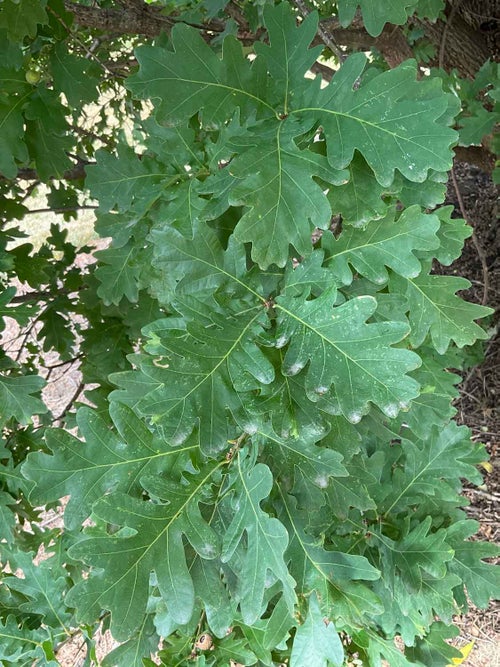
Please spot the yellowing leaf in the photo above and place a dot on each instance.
(465, 651)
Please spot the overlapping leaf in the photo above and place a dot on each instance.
(402, 130)
(43, 587)
(426, 469)
(316, 642)
(419, 550)
(192, 78)
(276, 183)
(200, 266)
(335, 576)
(151, 541)
(375, 15)
(191, 377)
(360, 199)
(317, 464)
(105, 461)
(267, 540)
(385, 243)
(434, 308)
(433, 406)
(342, 350)
(47, 133)
(16, 397)
(20, 645)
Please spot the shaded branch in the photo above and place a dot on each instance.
(75, 173)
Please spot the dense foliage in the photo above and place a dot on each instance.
(266, 470)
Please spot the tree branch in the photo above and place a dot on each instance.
(75, 173)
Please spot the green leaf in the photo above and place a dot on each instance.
(43, 585)
(20, 312)
(123, 562)
(22, 18)
(385, 243)
(118, 273)
(132, 651)
(16, 398)
(288, 57)
(190, 376)
(285, 403)
(192, 78)
(74, 76)
(378, 648)
(125, 179)
(220, 608)
(426, 468)
(452, 235)
(7, 517)
(276, 183)
(266, 537)
(482, 580)
(18, 645)
(343, 351)
(47, 133)
(14, 95)
(419, 550)
(430, 8)
(433, 407)
(434, 649)
(434, 308)
(105, 461)
(268, 634)
(474, 127)
(388, 119)
(343, 494)
(359, 201)
(316, 641)
(375, 15)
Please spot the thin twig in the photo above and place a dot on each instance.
(82, 44)
(61, 209)
(445, 32)
(479, 250)
(494, 497)
(326, 37)
(69, 405)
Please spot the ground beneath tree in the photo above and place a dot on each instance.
(478, 405)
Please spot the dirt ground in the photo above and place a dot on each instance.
(478, 405)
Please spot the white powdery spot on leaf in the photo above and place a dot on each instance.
(391, 410)
(281, 342)
(294, 369)
(321, 481)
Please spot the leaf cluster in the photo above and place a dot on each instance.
(269, 457)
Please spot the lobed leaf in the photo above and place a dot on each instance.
(152, 541)
(105, 461)
(342, 350)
